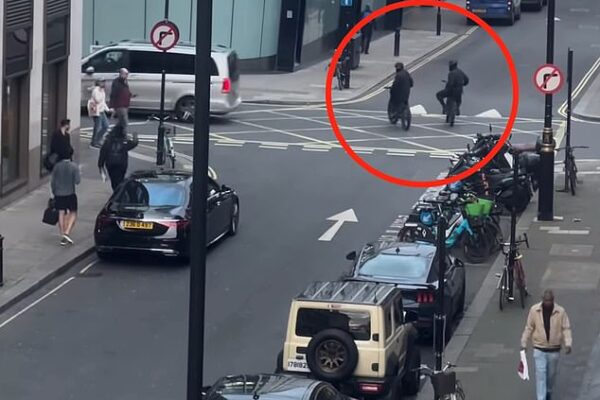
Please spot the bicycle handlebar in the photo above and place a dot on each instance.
(573, 147)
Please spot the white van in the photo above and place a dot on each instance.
(144, 63)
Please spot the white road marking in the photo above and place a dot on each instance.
(493, 113)
(578, 89)
(418, 110)
(29, 307)
(323, 150)
(229, 144)
(581, 10)
(340, 219)
(87, 267)
(264, 146)
(142, 157)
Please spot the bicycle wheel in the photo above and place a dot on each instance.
(451, 116)
(406, 117)
(520, 281)
(460, 393)
(501, 289)
(338, 75)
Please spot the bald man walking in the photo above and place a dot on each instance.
(120, 98)
(549, 329)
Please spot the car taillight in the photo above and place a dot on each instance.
(226, 88)
(370, 387)
(425, 297)
(103, 220)
(178, 223)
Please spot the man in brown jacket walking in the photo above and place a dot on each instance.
(549, 329)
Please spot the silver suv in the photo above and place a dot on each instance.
(355, 335)
(144, 63)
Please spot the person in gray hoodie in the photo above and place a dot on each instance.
(65, 177)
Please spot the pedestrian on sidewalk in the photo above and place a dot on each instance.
(120, 98)
(60, 142)
(549, 328)
(114, 155)
(366, 31)
(97, 110)
(65, 176)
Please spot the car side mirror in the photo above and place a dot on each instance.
(351, 256)
(410, 316)
(90, 70)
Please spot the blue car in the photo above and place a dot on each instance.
(507, 10)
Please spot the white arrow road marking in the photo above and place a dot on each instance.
(493, 113)
(346, 216)
(418, 110)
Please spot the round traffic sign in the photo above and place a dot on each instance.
(548, 79)
(164, 35)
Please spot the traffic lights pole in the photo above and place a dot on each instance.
(546, 191)
(199, 190)
(439, 318)
(160, 143)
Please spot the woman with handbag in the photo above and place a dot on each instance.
(65, 177)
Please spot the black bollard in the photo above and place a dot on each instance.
(397, 43)
(1, 260)
(438, 30)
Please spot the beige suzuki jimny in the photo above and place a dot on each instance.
(355, 335)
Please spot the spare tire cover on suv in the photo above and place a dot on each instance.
(332, 355)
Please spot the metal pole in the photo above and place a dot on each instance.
(513, 225)
(160, 143)
(440, 318)
(199, 190)
(438, 25)
(1, 260)
(397, 42)
(569, 105)
(546, 191)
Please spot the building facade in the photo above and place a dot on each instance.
(251, 27)
(40, 49)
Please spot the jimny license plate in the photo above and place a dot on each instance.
(138, 225)
(479, 11)
(294, 365)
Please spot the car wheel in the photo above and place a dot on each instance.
(539, 6)
(332, 355)
(511, 19)
(519, 14)
(461, 302)
(235, 219)
(396, 389)
(184, 109)
(411, 381)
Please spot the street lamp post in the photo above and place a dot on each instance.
(439, 317)
(546, 191)
(199, 190)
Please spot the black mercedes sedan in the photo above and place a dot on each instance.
(271, 387)
(151, 212)
(413, 267)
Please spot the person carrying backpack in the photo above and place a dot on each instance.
(114, 155)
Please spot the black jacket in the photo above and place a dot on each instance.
(61, 145)
(400, 91)
(457, 79)
(124, 145)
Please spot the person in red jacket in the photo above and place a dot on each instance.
(120, 98)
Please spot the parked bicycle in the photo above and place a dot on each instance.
(570, 168)
(168, 145)
(445, 384)
(513, 274)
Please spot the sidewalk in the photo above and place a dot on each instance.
(307, 86)
(32, 254)
(562, 257)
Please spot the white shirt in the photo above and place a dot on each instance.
(97, 102)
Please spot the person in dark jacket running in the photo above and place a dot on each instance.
(457, 79)
(114, 155)
(120, 98)
(400, 90)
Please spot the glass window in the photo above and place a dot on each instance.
(181, 64)
(398, 314)
(388, 321)
(232, 61)
(50, 106)
(108, 61)
(150, 193)
(311, 321)
(146, 62)
(11, 129)
(396, 266)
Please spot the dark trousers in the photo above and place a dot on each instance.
(366, 40)
(444, 94)
(116, 174)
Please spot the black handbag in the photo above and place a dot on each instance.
(50, 213)
(50, 161)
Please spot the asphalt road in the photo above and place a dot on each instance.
(119, 329)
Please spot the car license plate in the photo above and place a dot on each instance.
(294, 365)
(479, 10)
(138, 225)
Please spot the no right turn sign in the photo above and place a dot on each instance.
(548, 79)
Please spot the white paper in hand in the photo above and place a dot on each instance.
(103, 175)
(523, 369)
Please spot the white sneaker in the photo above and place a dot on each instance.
(68, 239)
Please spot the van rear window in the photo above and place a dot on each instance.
(232, 61)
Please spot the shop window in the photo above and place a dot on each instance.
(12, 142)
(53, 104)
